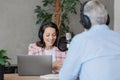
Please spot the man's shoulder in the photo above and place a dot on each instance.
(80, 36)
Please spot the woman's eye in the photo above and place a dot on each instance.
(47, 35)
(54, 35)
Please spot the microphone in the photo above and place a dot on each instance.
(68, 38)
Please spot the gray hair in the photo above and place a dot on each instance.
(96, 11)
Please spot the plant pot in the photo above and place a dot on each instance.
(1, 72)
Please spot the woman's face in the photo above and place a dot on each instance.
(49, 37)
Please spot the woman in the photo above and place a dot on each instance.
(48, 35)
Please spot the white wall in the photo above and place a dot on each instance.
(117, 16)
(17, 26)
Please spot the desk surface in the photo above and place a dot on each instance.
(17, 77)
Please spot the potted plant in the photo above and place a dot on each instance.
(47, 13)
(4, 60)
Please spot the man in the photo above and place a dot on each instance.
(95, 53)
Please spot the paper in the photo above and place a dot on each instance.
(50, 77)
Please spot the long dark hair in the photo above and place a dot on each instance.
(41, 31)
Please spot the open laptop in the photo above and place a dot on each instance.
(29, 65)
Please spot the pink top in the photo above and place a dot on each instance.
(33, 49)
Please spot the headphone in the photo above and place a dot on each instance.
(85, 20)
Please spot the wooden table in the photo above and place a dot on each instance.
(17, 77)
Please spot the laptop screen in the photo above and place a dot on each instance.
(29, 65)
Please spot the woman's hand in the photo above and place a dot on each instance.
(56, 66)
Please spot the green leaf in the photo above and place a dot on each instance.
(4, 58)
(46, 2)
(67, 7)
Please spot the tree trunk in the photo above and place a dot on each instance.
(57, 13)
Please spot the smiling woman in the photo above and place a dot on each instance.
(48, 35)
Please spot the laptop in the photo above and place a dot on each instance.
(31, 65)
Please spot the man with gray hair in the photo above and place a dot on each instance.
(95, 53)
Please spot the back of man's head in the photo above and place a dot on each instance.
(96, 11)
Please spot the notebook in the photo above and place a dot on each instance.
(29, 65)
